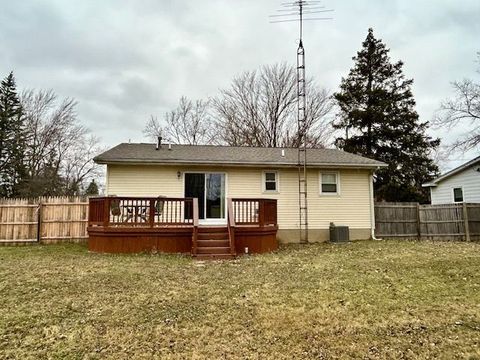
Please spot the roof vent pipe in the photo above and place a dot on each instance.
(283, 152)
(159, 143)
(169, 146)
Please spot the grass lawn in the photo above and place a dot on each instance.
(383, 299)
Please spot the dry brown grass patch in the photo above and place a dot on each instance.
(372, 300)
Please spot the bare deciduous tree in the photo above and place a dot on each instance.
(318, 126)
(47, 124)
(78, 168)
(463, 109)
(58, 149)
(259, 109)
(153, 128)
(189, 123)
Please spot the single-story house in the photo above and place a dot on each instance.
(461, 184)
(340, 188)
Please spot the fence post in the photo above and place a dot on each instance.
(39, 222)
(419, 229)
(465, 219)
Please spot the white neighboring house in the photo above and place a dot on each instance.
(461, 184)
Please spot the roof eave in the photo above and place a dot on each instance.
(452, 172)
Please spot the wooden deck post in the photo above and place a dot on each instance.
(231, 225)
(465, 219)
(151, 214)
(261, 213)
(106, 212)
(195, 226)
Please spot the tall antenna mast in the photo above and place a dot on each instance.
(296, 11)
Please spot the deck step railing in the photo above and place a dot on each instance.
(195, 227)
(231, 225)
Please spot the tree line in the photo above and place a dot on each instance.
(372, 114)
(43, 149)
(258, 109)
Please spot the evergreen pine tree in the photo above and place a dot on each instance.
(92, 189)
(12, 138)
(377, 113)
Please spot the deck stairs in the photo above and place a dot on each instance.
(213, 243)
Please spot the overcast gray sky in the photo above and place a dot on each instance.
(123, 60)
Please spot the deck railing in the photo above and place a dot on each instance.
(260, 212)
(118, 211)
(140, 212)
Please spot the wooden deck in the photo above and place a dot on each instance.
(171, 225)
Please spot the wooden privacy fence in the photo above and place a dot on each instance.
(48, 219)
(411, 220)
(55, 219)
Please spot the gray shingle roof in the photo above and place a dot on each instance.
(229, 155)
(452, 172)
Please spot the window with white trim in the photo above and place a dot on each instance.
(329, 183)
(457, 194)
(270, 181)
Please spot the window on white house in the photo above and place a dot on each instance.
(329, 183)
(271, 181)
(458, 194)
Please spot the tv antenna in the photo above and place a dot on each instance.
(300, 11)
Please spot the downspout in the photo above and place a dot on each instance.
(372, 207)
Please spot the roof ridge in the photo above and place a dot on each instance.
(234, 146)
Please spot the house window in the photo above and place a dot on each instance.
(329, 183)
(457, 194)
(270, 181)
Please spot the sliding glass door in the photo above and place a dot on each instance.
(209, 188)
(215, 196)
(195, 188)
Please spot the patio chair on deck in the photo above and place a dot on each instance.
(115, 207)
(159, 205)
(129, 213)
(136, 213)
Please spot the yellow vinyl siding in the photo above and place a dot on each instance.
(139, 180)
(351, 207)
